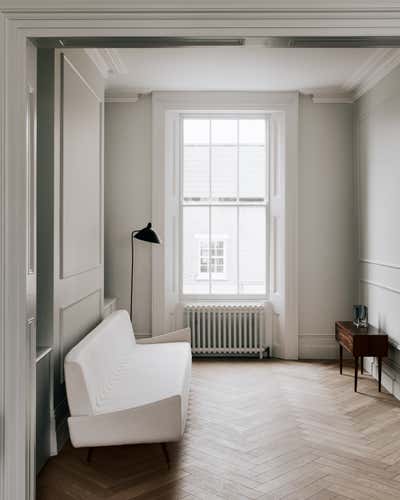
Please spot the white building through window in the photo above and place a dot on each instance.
(224, 205)
(211, 258)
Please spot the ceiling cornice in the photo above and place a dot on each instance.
(276, 6)
(364, 70)
(381, 62)
(388, 60)
(108, 61)
(365, 77)
(121, 97)
(332, 98)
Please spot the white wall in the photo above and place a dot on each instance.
(128, 204)
(326, 225)
(326, 244)
(378, 172)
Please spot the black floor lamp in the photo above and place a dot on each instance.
(144, 234)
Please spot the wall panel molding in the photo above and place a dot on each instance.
(379, 285)
(65, 208)
(379, 263)
(86, 321)
(376, 147)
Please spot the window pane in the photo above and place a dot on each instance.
(224, 164)
(224, 234)
(252, 173)
(252, 131)
(224, 131)
(252, 250)
(224, 173)
(196, 131)
(196, 172)
(195, 234)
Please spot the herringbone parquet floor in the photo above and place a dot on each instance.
(256, 430)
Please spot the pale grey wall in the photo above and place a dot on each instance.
(377, 145)
(128, 204)
(326, 224)
(326, 247)
(70, 214)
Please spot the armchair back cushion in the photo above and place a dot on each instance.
(93, 364)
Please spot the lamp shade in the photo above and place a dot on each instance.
(147, 234)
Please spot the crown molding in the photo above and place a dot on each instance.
(108, 61)
(133, 97)
(381, 62)
(332, 99)
(295, 6)
(362, 72)
(382, 65)
(99, 61)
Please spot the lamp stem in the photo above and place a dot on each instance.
(132, 272)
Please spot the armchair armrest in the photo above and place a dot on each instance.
(177, 336)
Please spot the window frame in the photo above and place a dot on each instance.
(210, 115)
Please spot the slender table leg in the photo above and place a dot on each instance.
(341, 358)
(380, 373)
(355, 372)
(362, 364)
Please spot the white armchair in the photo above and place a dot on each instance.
(121, 391)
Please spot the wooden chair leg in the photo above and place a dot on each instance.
(89, 455)
(166, 454)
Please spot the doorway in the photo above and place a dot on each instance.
(23, 25)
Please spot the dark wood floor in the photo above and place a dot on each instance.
(256, 430)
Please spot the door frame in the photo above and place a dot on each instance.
(20, 21)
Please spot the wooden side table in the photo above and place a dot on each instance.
(360, 342)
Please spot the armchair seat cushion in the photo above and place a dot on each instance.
(153, 372)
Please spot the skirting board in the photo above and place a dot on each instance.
(390, 374)
(61, 413)
(62, 434)
(314, 346)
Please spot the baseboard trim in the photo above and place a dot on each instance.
(61, 414)
(390, 374)
(315, 346)
(62, 434)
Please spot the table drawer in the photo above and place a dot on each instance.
(345, 339)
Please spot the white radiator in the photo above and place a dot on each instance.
(226, 329)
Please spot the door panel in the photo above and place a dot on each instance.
(78, 200)
(70, 204)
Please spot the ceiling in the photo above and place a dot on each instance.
(329, 74)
